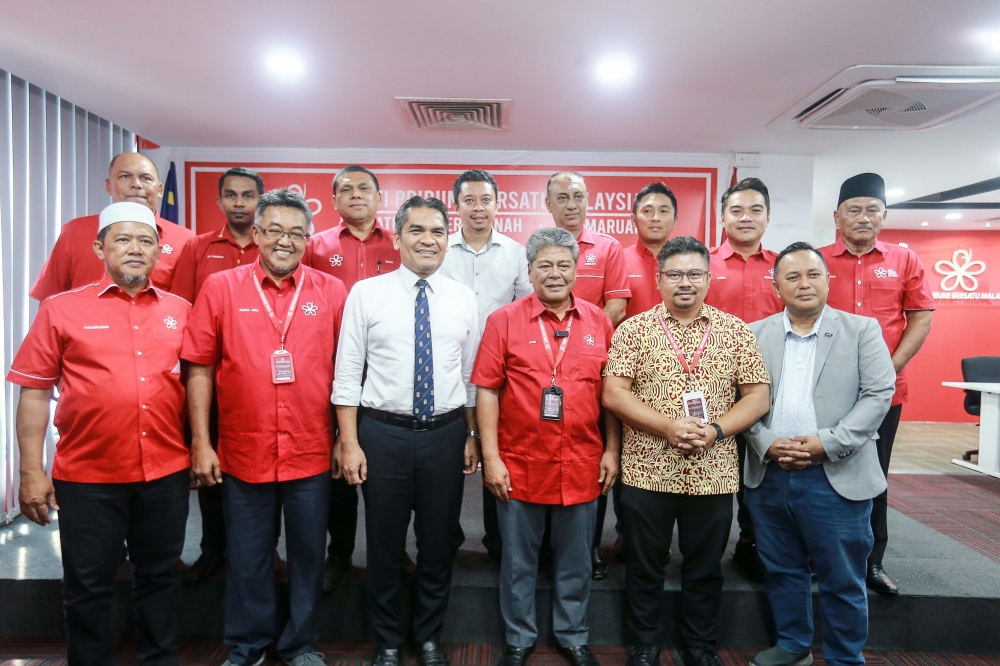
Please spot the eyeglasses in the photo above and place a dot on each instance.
(273, 234)
(695, 277)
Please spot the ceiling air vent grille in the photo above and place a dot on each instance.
(456, 114)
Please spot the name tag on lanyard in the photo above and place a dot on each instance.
(695, 404)
(552, 397)
(282, 366)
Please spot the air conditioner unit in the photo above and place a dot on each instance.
(890, 97)
(455, 114)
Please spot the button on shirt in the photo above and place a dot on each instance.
(601, 274)
(642, 268)
(339, 253)
(269, 432)
(115, 359)
(742, 287)
(378, 329)
(640, 351)
(884, 283)
(207, 254)
(794, 413)
(550, 462)
(497, 273)
(73, 263)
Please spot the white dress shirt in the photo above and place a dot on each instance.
(794, 410)
(497, 273)
(378, 328)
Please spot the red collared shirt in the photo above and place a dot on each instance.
(269, 432)
(550, 462)
(73, 263)
(115, 359)
(642, 267)
(601, 274)
(205, 255)
(884, 284)
(742, 287)
(339, 253)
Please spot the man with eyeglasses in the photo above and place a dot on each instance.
(672, 376)
(887, 282)
(264, 337)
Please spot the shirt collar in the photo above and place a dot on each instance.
(107, 284)
(410, 279)
(458, 238)
(263, 278)
(840, 248)
(585, 236)
(342, 229)
(226, 235)
(703, 313)
(726, 250)
(788, 325)
(537, 307)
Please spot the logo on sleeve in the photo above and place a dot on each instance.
(310, 309)
(336, 260)
(589, 339)
(166, 249)
(171, 323)
(591, 260)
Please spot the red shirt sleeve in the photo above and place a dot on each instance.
(616, 274)
(183, 284)
(489, 370)
(56, 275)
(202, 342)
(38, 363)
(916, 290)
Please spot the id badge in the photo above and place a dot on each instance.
(552, 404)
(695, 406)
(282, 369)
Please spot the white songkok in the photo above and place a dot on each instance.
(127, 211)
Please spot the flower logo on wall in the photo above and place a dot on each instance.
(315, 205)
(960, 271)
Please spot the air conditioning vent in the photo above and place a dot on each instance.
(456, 114)
(889, 97)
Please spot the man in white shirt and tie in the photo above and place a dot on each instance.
(402, 436)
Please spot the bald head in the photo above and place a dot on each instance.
(133, 177)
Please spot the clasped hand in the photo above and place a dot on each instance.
(689, 435)
(798, 452)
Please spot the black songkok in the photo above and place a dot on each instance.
(863, 185)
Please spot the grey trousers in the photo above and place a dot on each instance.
(521, 527)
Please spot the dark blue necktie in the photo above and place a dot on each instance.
(423, 366)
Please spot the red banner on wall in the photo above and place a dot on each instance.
(521, 199)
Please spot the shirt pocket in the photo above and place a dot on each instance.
(886, 297)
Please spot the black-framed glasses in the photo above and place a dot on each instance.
(274, 234)
(696, 276)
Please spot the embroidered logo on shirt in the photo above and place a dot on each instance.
(336, 260)
(770, 273)
(166, 249)
(171, 323)
(310, 309)
(589, 339)
(591, 260)
(893, 273)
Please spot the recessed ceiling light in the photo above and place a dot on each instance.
(924, 223)
(285, 64)
(894, 193)
(987, 224)
(615, 70)
(953, 216)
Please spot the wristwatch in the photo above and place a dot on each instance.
(719, 436)
(472, 433)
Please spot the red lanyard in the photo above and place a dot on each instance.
(282, 331)
(688, 369)
(555, 361)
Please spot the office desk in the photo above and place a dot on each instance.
(989, 427)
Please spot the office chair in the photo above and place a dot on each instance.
(978, 369)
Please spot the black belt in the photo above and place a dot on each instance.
(411, 423)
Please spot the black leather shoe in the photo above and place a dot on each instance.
(878, 581)
(701, 656)
(600, 567)
(644, 654)
(579, 655)
(515, 656)
(206, 566)
(748, 562)
(432, 654)
(386, 657)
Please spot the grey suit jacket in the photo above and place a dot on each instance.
(854, 381)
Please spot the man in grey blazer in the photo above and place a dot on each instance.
(812, 468)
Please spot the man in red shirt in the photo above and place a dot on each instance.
(540, 460)
(742, 275)
(131, 177)
(204, 255)
(264, 335)
(601, 279)
(355, 249)
(887, 282)
(120, 469)
(654, 214)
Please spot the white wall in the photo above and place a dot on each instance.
(789, 180)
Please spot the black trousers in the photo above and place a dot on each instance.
(94, 520)
(492, 540)
(703, 524)
(342, 522)
(418, 472)
(213, 523)
(880, 505)
(743, 517)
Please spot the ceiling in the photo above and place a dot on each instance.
(709, 76)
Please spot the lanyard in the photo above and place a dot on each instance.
(548, 348)
(282, 331)
(688, 369)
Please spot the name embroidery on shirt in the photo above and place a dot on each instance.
(249, 309)
(95, 328)
(215, 256)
